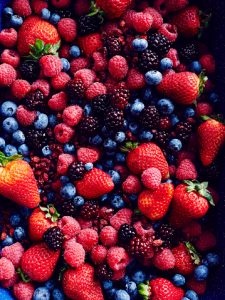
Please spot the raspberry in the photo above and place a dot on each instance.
(74, 253)
(208, 63)
(8, 37)
(51, 65)
(8, 283)
(59, 82)
(128, 18)
(14, 253)
(169, 31)
(95, 89)
(38, 5)
(204, 109)
(7, 269)
(78, 63)
(142, 21)
(117, 258)
(84, 224)
(98, 254)
(67, 29)
(164, 260)
(24, 116)
(118, 67)
(186, 170)
(81, 7)
(198, 286)
(192, 230)
(63, 133)
(142, 231)
(23, 290)
(185, 155)
(123, 216)
(108, 236)
(10, 57)
(88, 238)
(22, 8)
(118, 275)
(61, 3)
(69, 227)
(86, 155)
(151, 178)
(64, 51)
(86, 75)
(20, 88)
(157, 18)
(132, 185)
(135, 79)
(7, 75)
(72, 115)
(41, 85)
(90, 43)
(173, 55)
(64, 161)
(100, 62)
(206, 241)
(58, 101)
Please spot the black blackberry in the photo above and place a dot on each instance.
(63, 13)
(140, 247)
(126, 233)
(76, 171)
(89, 210)
(113, 45)
(167, 234)
(34, 100)
(89, 24)
(66, 208)
(75, 89)
(100, 104)
(89, 126)
(148, 60)
(114, 119)
(53, 237)
(36, 139)
(162, 138)
(188, 52)
(29, 70)
(103, 272)
(183, 131)
(150, 117)
(159, 43)
(120, 97)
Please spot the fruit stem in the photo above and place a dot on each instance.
(94, 10)
(51, 212)
(23, 276)
(200, 188)
(4, 160)
(203, 78)
(144, 290)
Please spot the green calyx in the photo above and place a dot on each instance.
(144, 290)
(51, 212)
(22, 275)
(200, 188)
(94, 10)
(40, 49)
(129, 146)
(193, 252)
(218, 118)
(205, 20)
(4, 160)
(203, 79)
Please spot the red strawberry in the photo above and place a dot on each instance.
(183, 87)
(211, 137)
(17, 181)
(79, 284)
(90, 43)
(39, 262)
(113, 8)
(155, 204)
(160, 289)
(164, 260)
(186, 170)
(35, 28)
(94, 184)
(147, 156)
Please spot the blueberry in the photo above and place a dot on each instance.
(115, 176)
(178, 280)
(16, 21)
(133, 127)
(55, 18)
(185, 298)
(138, 276)
(87, 110)
(137, 108)
(125, 280)
(96, 140)
(139, 45)
(8, 11)
(8, 109)
(153, 77)
(174, 119)
(122, 295)
(104, 198)
(23, 150)
(50, 285)
(41, 122)
(2, 143)
(45, 14)
(111, 294)
(146, 136)
(75, 51)
(109, 144)
(52, 120)
(66, 64)
(120, 157)
(68, 191)
(41, 293)
(107, 284)
(10, 125)
(166, 64)
(25, 212)
(69, 148)
(78, 201)
(189, 112)
(15, 220)
(19, 234)
(131, 288)
(147, 96)
(46, 151)
(213, 98)
(175, 145)
(165, 107)
(18, 137)
(120, 137)
(10, 150)
(201, 273)
(7, 241)
(51, 196)
(195, 67)
(117, 202)
(108, 163)
(57, 294)
(88, 166)
(212, 259)
(191, 295)
(5, 294)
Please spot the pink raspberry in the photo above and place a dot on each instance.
(157, 18)
(173, 55)
(59, 82)
(86, 75)
(74, 253)
(100, 62)
(7, 75)
(61, 3)
(192, 230)
(135, 79)
(23, 290)
(117, 258)
(10, 57)
(118, 67)
(144, 231)
(42, 85)
(131, 185)
(78, 64)
(69, 226)
(128, 18)
(186, 170)
(24, 116)
(164, 260)
(7, 269)
(84, 224)
(151, 178)
(168, 6)
(208, 63)
(64, 51)
(14, 253)
(86, 155)
(8, 283)
(88, 238)
(51, 65)
(206, 241)
(20, 88)
(81, 7)
(118, 275)
(169, 31)
(123, 216)
(108, 236)
(8, 37)
(67, 29)
(58, 101)
(172, 170)
(95, 89)
(38, 5)
(63, 133)
(98, 254)
(22, 8)
(64, 161)
(142, 21)
(204, 109)
(72, 115)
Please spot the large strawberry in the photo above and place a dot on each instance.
(90, 43)
(113, 8)
(35, 28)
(79, 284)
(184, 87)
(94, 184)
(17, 181)
(155, 204)
(39, 262)
(211, 138)
(146, 156)
(160, 289)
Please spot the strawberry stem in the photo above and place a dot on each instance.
(40, 49)
(194, 254)
(94, 10)
(200, 188)
(144, 290)
(203, 80)
(23, 276)
(51, 212)
(4, 160)
(129, 146)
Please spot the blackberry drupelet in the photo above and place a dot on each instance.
(75, 89)
(53, 237)
(34, 100)
(114, 119)
(66, 208)
(167, 234)
(126, 233)
(100, 104)
(162, 138)
(63, 13)
(188, 52)
(29, 70)
(184, 131)
(120, 97)
(76, 171)
(90, 210)
(140, 247)
(103, 272)
(159, 43)
(113, 45)
(148, 60)
(89, 126)
(89, 24)
(36, 139)
(150, 117)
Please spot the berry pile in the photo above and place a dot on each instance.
(110, 150)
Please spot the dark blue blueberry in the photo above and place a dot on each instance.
(165, 107)
(138, 276)
(8, 109)
(8, 11)
(195, 67)
(52, 120)
(78, 201)
(16, 21)
(191, 295)
(175, 145)
(133, 127)
(139, 45)
(87, 110)
(41, 293)
(41, 122)
(45, 14)
(7, 241)
(109, 144)
(213, 259)
(166, 64)
(120, 157)
(66, 64)
(174, 119)
(46, 151)
(122, 295)
(10, 150)
(131, 288)
(120, 137)
(58, 294)
(178, 280)
(146, 136)
(50, 285)
(153, 77)
(19, 234)
(15, 220)
(5, 294)
(25, 212)
(23, 150)
(68, 191)
(189, 112)
(64, 179)
(75, 51)
(50, 196)
(96, 140)
(115, 176)
(107, 284)
(111, 294)
(2, 143)
(137, 108)
(109, 163)
(117, 202)
(214, 98)
(88, 166)
(201, 273)
(18, 137)
(147, 95)
(54, 19)
(10, 125)
(69, 148)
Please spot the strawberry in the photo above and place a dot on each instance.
(34, 28)
(146, 156)
(94, 184)
(39, 262)
(79, 284)
(186, 170)
(183, 87)
(17, 181)
(160, 289)
(113, 8)
(155, 204)
(40, 220)
(187, 21)
(211, 138)
(90, 43)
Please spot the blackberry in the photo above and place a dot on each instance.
(140, 247)
(66, 208)
(100, 104)
(113, 45)
(36, 139)
(120, 97)
(211, 173)
(63, 13)
(114, 119)
(103, 272)
(188, 52)
(75, 89)
(89, 126)
(162, 138)
(150, 117)
(89, 24)
(159, 43)
(148, 60)
(126, 233)
(167, 234)
(76, 171)
(34, 100)
(89, 210)
(29, 70)
(183, 131)
(53, 237)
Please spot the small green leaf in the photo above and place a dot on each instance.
(47, 48)
(39, 45)
(42, 208)
(193, 252)
(144, 290)
(48, 215)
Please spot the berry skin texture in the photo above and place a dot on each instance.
(6, 269)
(63, 133)
(186, 170)
(10, 57)
(132, 185)
(51, 65)
(69, 227)
(135, 79)
(88, 155)
(88, 238)
(86, 75)
(117, 258)
(95, 89)
(8, 37)
(164, 260)
(24, 116)
(74, 253)
(114, 8)
(169, 31)
(20, 88)
(22, 8)
(78, 63)
(123, 216)
(98, 254)
(208, 63)
(90, 43)
(58, 101)
(7, 75)
(157, 18)
(118, 67)
(183, 261)
(14, 253)
(151, 178)
(41, 85)
(142, 21)
(67, 29)
(38, 5)
(64, 162)
(72, 115)
(108, 236)
(59, 82)
(23, 290)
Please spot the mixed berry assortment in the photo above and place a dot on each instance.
(110, 147)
